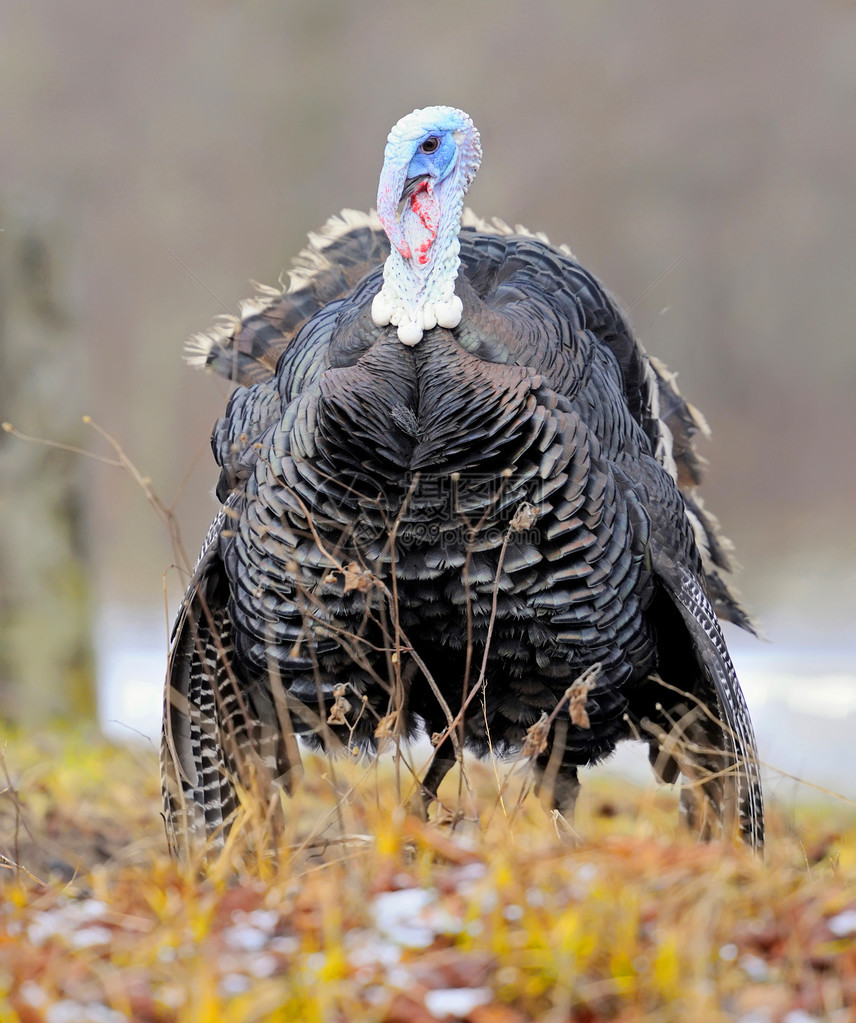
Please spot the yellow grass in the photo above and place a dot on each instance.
(495, 914)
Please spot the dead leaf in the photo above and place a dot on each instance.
(496, 1014)
(387, 725)
(356, 578)
(340, 708)
(404, 1009)
(524, 518)
(578, 696)
(536, 737)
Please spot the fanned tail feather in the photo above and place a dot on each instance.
(246, 349)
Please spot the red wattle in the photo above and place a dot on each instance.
(424, 204)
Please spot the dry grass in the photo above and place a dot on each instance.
(492, 916)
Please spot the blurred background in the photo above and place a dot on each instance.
(700, 158)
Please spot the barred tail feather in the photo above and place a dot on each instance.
(718, 754)
(218, 744)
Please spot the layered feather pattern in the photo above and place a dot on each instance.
(508, 504)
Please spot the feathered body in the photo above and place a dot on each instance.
(493, 504)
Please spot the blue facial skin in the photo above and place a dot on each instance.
(437, 164)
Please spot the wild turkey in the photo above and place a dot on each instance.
(450, 466)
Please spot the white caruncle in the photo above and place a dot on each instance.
(413, 319)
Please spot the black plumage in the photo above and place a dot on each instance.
(498, 504)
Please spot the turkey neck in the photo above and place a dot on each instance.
(433, 267)
(419, 289)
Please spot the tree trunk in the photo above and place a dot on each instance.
(46, 662)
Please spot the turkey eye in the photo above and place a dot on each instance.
(430, 145)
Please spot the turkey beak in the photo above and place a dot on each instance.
(411, 185)
(394, 187)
